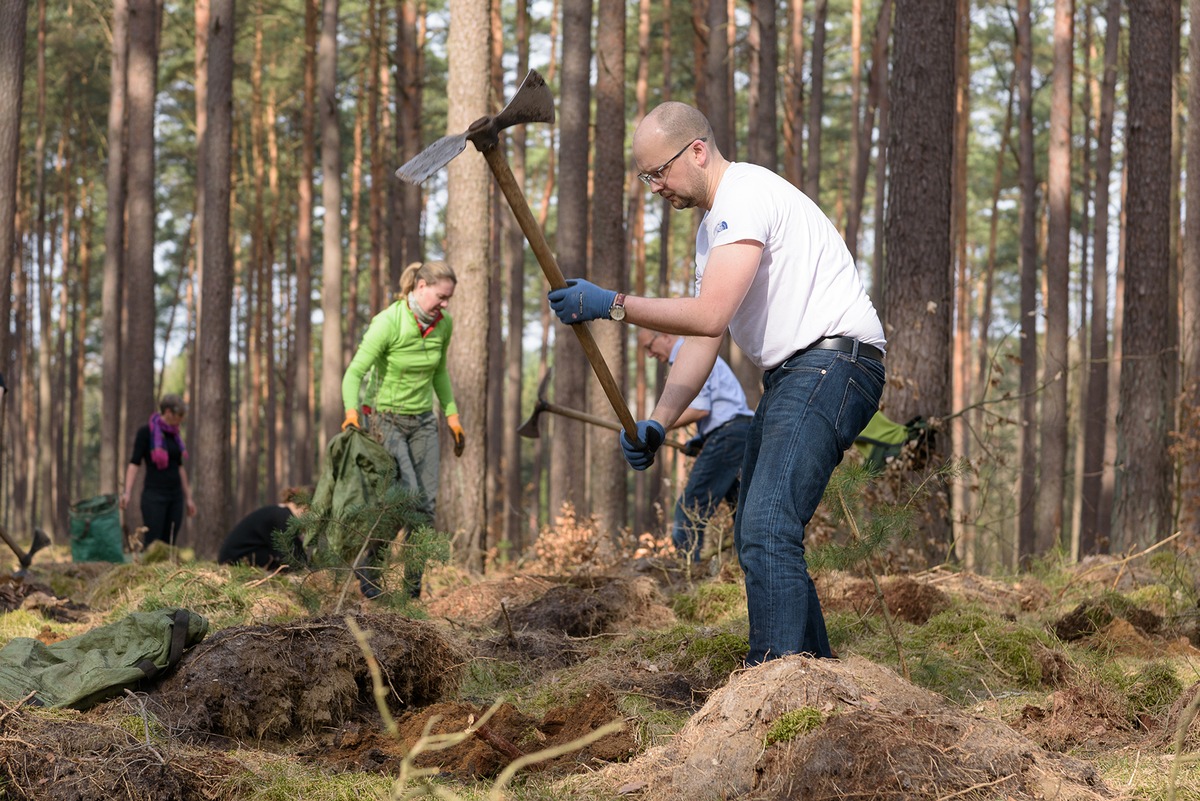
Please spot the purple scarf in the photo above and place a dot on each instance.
(159, 427)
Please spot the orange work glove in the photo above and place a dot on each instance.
(460, 436)
(351, 419)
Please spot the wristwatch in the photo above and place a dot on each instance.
(617, 311)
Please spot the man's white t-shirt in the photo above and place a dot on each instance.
(806, 287)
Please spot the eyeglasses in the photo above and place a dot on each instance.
(658, 175)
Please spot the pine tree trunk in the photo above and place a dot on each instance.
(138, 363)
(568, 458)
(962, 530)
(1027, 545)
(302, 454)
(406, 246)
(716, 64)
(462, 502)
(332, 309)
(793, 117)
(45, 415)
(211, 475)
(1189, 281)
(111, 385)
(816, 104)
(1052, 467)
(1144, 419)
(918, 220)
(608, 259)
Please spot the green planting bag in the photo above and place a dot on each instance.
(96, 530)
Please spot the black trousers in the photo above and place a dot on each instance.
(162, 513)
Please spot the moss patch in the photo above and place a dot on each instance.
(792, 724)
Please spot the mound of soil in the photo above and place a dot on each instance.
(52, 758)
(878, 753)
(587, 606)
(505, 736)
(289, 680)
(910, 737)
(906, 598)
(17, 593)
(477, 604)
(1080, 715)
(542, 650)
(1185, 714)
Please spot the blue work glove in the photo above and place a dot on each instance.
(652, 435)
(580, 301)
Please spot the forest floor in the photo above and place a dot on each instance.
(625, 678)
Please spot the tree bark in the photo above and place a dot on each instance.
(963, 532)
(405, 243)
(1052, 468)
(609, 470)
(302, 454)
(793, 117)
(816, 104)
(567, 448)
(138, 364)
(1095, 532)
(1145, 419)
(1189, 282)
(211, 479)
(514, 500)
(764, 138)
(12, 68)
(112, 386)
(462, 508)
(1026, 531)
(716, 63)
(332, 412)
(918, 219)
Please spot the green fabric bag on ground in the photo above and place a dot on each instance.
(82, 671)
(96, 530)
(357, 472)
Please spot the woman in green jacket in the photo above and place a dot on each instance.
(406, 345)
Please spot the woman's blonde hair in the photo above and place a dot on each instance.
(428, 271)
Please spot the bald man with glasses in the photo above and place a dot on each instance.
(773, 271)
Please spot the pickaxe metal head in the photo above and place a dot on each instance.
(530, 430)
(532, 103)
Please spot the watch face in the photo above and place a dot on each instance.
(617, 313)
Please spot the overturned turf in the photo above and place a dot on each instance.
(69, 756)
(290, 680)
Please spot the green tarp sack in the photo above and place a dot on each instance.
(82, 671)
(96, 530)
(358, 472)
(884, 439)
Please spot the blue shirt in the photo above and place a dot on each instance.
(721, 396)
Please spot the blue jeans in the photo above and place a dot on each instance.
(714, 478)
(813, 406)
(413, 440)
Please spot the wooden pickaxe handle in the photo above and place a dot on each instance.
(574, 414)
(541, 248)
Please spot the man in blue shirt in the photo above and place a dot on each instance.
(722, 421)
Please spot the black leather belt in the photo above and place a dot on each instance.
(844, 345)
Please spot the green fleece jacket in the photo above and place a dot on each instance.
(409, 367)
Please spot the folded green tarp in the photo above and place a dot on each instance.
(82, 671)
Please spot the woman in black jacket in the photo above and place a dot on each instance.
(166, 493)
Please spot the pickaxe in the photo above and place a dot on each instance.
(40, 540)
(532, 103)
(530, 428)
